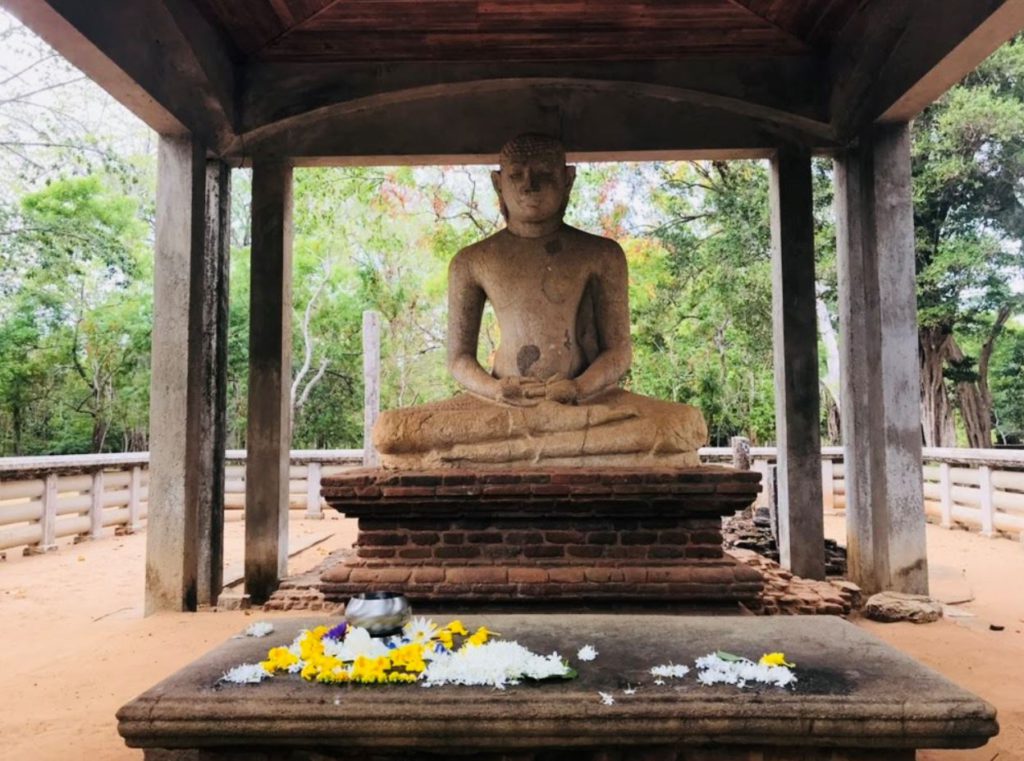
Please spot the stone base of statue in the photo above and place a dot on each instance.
(544, 535)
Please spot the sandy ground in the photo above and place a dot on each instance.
(74, 646)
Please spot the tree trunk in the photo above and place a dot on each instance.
(974, 397)
(936, 412)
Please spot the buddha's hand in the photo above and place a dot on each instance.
(520, 391)
(562, 390)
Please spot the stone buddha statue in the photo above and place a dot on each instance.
(560, 297)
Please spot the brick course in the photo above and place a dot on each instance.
(545, 534)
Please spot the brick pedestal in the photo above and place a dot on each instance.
(587, 535)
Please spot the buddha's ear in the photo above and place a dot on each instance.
(570, 177)
(496, 181)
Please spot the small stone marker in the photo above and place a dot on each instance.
(889, 607)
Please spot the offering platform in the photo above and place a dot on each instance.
(610, 534)
(855, 698)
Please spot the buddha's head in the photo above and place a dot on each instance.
(533, 181)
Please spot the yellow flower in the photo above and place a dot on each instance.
(370, 670)
(480, 636)
(279, 659)
(456, 627)
(774, 659)
(445, 638)
(409, 657)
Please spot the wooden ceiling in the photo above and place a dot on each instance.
(327, 31)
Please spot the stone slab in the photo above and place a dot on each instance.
(856, 698)
(632, 492)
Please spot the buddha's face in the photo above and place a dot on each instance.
(534, 188)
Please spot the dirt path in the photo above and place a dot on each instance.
(75, 646)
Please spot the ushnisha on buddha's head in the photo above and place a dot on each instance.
(533, 180)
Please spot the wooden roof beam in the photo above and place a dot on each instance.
(160, 58)
(893, 59)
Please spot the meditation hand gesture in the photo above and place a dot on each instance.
(562, 390)
(520, 391)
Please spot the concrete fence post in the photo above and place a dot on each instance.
(48, 543)
(945, 495)
(135, 501)
(371, 385)
(988, 509)
(96, 506)
(740, 452)
(313, 473)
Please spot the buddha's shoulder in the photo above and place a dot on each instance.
(479, 251)
(590, 242)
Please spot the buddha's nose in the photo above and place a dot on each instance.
(531, 181)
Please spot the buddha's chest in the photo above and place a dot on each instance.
(536, 279)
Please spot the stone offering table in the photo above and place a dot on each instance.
(856, 698)
(613, 534)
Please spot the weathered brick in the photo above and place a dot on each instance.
(706, 537)
(564, 537)
(382, 539)
(407, 492)
(570, 575)
(415, 553)
(457, 552)
(660, 552)
(380, 575)
(603, 575)
(375, 552)
(368, 492)
(424, 537)
(584, 551)
(524, 537)
(704, 552)
(476, 574)
(633, 552)
(457, 491)
(526, 575)
(428, 575)
(638, 537)
(550, 490)
(674, 537)
(506, 490)
(603, 537)
(500, 477)
(485, 537)
(634, 575)
(543, 551)
(452, 478)
(453, 537)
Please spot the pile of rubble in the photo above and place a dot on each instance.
(786, 594)
(754, 533)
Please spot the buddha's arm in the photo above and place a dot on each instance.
(611, 308)
(465, 309)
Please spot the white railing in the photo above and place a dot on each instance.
(43, 499)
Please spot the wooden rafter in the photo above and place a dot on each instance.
(788, 34)
(296, 25)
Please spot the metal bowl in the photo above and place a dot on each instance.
(380, 613)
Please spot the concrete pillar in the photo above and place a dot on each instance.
(210, 424)
(268, 435)
(182, 554)
(371, 385)
(801, 533)
(880, 378)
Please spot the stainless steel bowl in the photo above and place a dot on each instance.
(380, 613)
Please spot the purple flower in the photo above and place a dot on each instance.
(338, 632)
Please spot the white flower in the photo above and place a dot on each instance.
(659, 681)
(419, 629)
(496, 663)
(606, 698)
(714, 670)
(357, 642)
(247, 673)
(670, 670)
(587, 653)
(629, 691)
(259, 629)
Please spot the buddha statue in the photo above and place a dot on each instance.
(560, 297)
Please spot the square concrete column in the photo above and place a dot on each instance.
(268, 433)
(184, 535)
(880, 379)
(795, 337)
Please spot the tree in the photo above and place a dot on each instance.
(968, 169)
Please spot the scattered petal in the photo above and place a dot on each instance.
(712, 669)
(247, 673)
(659, 681)
(629, 691)
(670, 670)
(259, 629)
(606, 698)
(587, 653)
